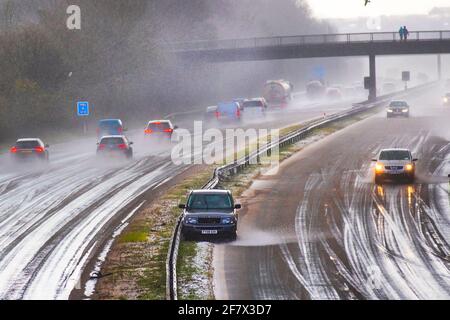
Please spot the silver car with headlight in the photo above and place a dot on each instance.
(446, 99)
(394, 164)
(397, 108)
(209, 213)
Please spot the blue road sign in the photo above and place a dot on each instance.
(319, 72)
(83, 108)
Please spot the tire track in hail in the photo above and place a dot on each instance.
(123, 176)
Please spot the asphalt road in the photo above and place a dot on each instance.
(321, 229)
(55, 219)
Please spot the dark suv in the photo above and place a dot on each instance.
(210, 212)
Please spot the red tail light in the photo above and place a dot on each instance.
(217, 114)
(122, 146)
(238, 113)
(168, 130)
(148, 131)
(39, 149)
(101, 146)
(120, 130)
(13, 150)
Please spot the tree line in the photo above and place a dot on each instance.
(116, 60)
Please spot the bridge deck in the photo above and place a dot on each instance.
(311, 46)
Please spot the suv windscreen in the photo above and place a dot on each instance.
(398, 104)
(28, 144)
(395, 155)
(210, 201)
(112, 141)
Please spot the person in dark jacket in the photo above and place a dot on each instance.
(405, 33)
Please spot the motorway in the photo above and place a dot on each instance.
(55, 219)
(321, 229)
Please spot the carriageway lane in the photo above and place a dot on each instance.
(54, 219)
(321, 229)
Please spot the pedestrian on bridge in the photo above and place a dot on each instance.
(400, 32)
(405, 33)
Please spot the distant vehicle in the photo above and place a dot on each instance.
(228, 111)
(447, 84)
(394, 163)
(239, 101)
(349, 91)
(334, 94)
(423, 77)
(446, 99)
(30, 149)
(315, 89)
(114, 146)
(160, 129)
(278, 93)
(397, 108)
(254, 107)
(210, 113)
(389, 87)
(211, 213)
(108, 127)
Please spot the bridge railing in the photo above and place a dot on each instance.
(309, 40)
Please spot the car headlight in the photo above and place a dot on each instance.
(409, 167)
(227, 220)
(445, 100)
(191, 220)
(389, 110)
(379, 167)
(405, 110)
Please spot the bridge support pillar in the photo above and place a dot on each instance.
(373, 78)
(439, 66)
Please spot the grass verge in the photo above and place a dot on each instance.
(137, 260)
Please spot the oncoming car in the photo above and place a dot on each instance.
(394, 164)
(30, 149)
(397, 108)
(115, 146)
(160, 129)
(446, 99)
(210, 213)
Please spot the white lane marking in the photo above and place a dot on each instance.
(89, 288)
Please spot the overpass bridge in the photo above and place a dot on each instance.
(317, 46)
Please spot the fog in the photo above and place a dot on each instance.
(118, 62)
